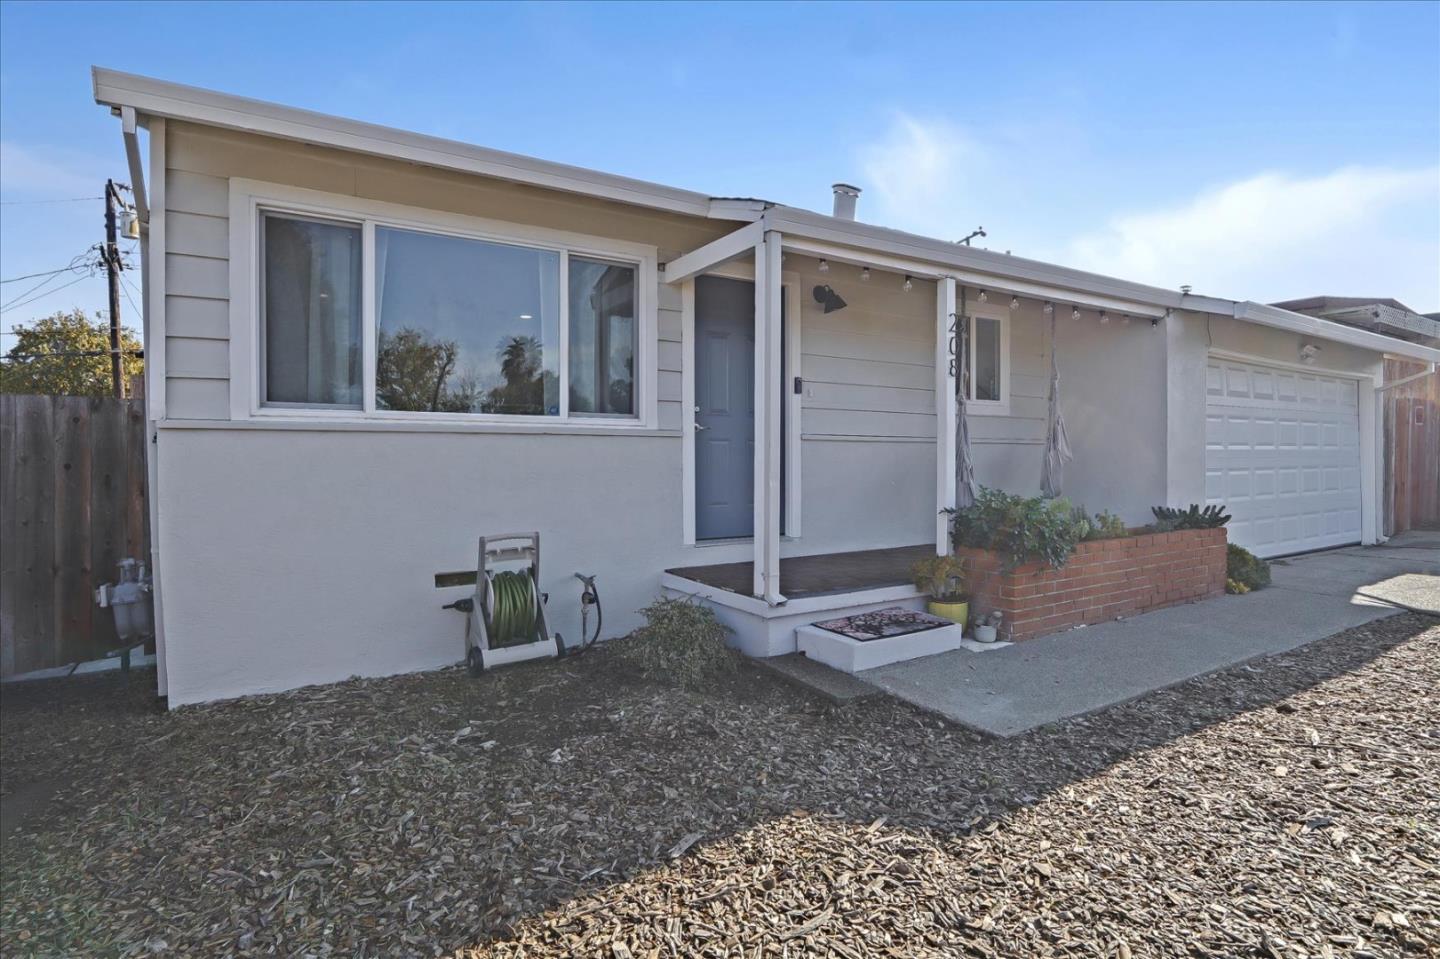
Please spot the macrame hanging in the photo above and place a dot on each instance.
(1057, 443)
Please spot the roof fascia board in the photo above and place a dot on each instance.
(1006, 284)
(177, 101)
(1275, 317)
(791, 221)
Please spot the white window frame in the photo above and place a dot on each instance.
(1000, 407)
(250, 198)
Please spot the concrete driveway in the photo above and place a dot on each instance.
(1008, 691)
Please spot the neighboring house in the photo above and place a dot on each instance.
(371, 346)
(1411, 411)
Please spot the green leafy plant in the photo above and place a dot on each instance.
(681, 641)
(1168, 518)
(1019, 528)
(1106, 525)
(1244, 570)
(942, 577)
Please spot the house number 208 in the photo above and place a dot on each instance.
(954, 329)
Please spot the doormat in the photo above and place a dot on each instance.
(883, 623)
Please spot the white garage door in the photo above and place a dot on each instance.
(1282, 453)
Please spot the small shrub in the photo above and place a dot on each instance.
(682, 641)
(941, 577)
(1168, 518)
(1106, 525)
(1245, 570)
(1019, 528)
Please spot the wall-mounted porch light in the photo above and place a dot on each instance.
(865, 275)
(824, 266)
(829, 299)
(908, 285)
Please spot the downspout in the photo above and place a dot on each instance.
(154, 370)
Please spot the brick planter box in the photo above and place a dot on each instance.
(1104, 579)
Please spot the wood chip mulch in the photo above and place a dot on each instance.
(1285, 809)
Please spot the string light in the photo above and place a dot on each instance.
(865, 275)
(824, 266)
(908, 285)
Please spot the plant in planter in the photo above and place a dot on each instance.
(988, 627)
(943, 578)
(1019, 528)
(1168, 518)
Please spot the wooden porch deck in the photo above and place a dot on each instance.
(820, 575)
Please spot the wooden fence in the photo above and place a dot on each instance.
(72, 505)
(1412, 444)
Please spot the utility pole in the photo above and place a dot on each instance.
(112, 276)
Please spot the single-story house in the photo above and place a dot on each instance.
(369, 347)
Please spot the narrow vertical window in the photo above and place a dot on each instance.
(986, 346)
(602, 338)
(312, 312)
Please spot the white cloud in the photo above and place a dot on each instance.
(923, 174)
(1359, 231)
(48, 173)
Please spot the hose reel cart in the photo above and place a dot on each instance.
(505, 618)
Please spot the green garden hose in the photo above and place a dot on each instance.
(512, 616)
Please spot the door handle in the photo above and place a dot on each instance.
(698, 427)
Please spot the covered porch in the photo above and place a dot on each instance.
(878, 395)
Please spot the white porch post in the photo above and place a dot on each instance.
(946, 332)
(768, 397)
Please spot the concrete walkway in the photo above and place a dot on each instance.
(1008, 691)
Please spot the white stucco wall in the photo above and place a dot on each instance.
(1112, 383)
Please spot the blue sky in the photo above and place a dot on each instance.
(1255, 152)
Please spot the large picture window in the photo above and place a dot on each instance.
(465, 326)
(392, 319)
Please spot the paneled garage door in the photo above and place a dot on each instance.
(1282, 453)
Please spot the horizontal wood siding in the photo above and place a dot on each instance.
(200, 162)
(197, 291)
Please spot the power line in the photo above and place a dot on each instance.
(62, 354)
(31, 276)
(125, 288)
(14, 305)
(73, 199)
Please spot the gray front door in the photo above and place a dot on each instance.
(724, 408)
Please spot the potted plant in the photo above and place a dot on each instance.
(943, 578)
(986, 627)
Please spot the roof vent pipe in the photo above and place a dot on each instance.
(845, 197)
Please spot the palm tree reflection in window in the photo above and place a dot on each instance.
(521, 368)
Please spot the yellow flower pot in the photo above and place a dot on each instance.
(955, 612)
